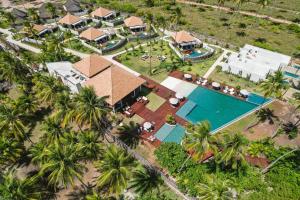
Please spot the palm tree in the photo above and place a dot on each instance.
(90, 109)
(53, 131)
(146, 180)
(33, 15)
(52, 10)
(11, 150)
(63, 108)
(275, 85)
(89, 146)
(27, 104)
(12, 187)
(161, 20)
(11, 121)
(200, 141)
(16, 72)
(234, 151)
(47, 88)
(215, 189)
(129, 133)
(115, 170)
(61, 165)
(150, 20)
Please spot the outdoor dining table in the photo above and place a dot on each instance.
(147, 125)
(187, 76)
(173, 101)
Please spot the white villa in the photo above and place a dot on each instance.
(255, 63)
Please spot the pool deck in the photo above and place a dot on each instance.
(158, 116)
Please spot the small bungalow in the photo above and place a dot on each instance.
(94, 35)
(72, 21)
(103, 14)
(74, 7)
(185, 41)
(41, 29)
(135, 24)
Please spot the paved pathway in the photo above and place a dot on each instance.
(213, 67)
(226, 9)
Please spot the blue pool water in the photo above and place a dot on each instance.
(290, 74)
(256, 99)
(194, 54)
(169, 133)
(219, 109)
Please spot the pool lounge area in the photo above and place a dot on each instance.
(206, 104)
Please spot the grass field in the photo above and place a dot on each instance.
(286, 9)
(233, 29)
(134, 61)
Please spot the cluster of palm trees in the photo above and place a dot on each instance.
(72, 133)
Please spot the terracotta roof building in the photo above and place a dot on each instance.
(115, 83)
(93, 34)
(41, 29)
(71, 20)
(185, 40)
(103, 14)
(135, 24)
(92, 65)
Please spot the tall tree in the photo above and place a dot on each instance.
(47, 88)
(233, 151)
(51, 9)
(12, 187)
(90, 109)
(11, 150)
(89, 146)
(146, 180)
(61, 165)
(115, 170)
(63, 108)
(200, 141)
(215, 189)
(33, 15)
(12, 121)
(53, 131)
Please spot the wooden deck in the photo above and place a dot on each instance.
(158, 117)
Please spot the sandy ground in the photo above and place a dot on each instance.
(263, 130)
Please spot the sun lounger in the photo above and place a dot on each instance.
(232, 92)
(151, 138)
(198, 82)
(225, 91)
(145, 99)
(128, 113)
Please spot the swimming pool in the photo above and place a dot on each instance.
(169, 133)
(296, 66)
(219, 109)
(290, 75)
(194, 54)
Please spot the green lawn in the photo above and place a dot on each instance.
(160, 69)
(78, 46)
(233, 29)
(155, 101)
(234, 80)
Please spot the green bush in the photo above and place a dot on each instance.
(170, 156)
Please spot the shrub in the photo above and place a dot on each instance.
(170, 156)
(170, 119)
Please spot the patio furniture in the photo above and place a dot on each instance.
(216, 85)
(145, 99)
(151, 138)
(244, 93)
(198, 82)
(128, 113)
(187, 76)
(179, 96)
(147, 126)
(225, 91)
(232, 92)
(174, 101)
(204, 82)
